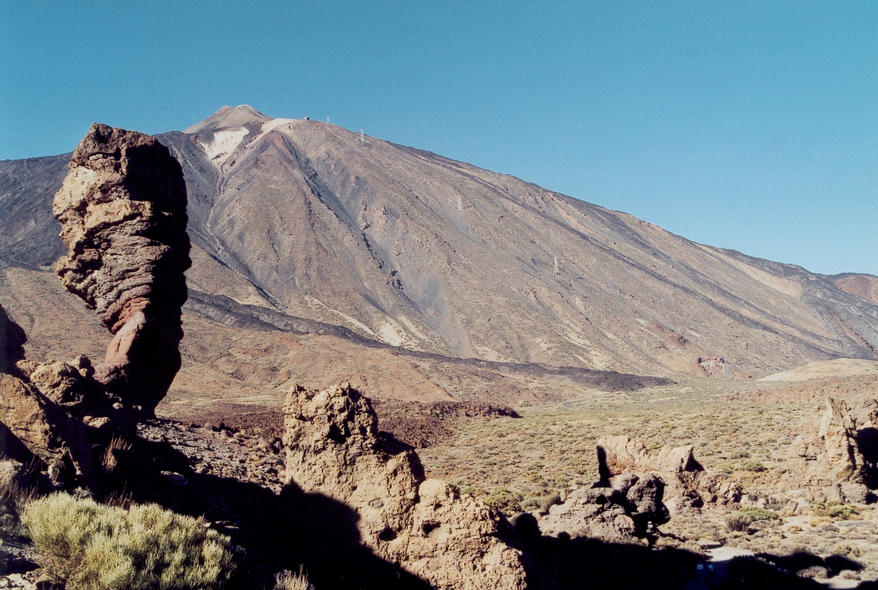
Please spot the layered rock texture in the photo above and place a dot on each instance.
(122, 209)
(333, 448)
(836, 457)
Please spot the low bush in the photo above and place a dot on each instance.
(754, 466)
(289, 580)
(834, 509)
(90, 545)
(741, 519)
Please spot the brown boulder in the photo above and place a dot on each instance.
(29, 419)
(333, 448)
(687, 484)
(836, 457)
(122, 209)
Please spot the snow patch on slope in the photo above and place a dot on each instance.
(223, 144)
(275, 123)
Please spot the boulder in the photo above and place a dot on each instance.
(32, 424)
(122, 209)
(836, 456)
(333, 448)
(625, 509)
(687, 484)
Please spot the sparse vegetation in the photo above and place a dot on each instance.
(289, 580)
(834, 510)
(754, 466)
(116, 447)
(90, 545)
(741, 519)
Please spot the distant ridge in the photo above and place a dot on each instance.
(407, 248)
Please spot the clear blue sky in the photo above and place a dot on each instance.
(747, 125)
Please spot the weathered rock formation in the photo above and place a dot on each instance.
(687, 484)
(836, 457)
(122, 209)
(333, 448)
(46, 413)
(626, 510)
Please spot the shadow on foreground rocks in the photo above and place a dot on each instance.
(293, 528)
(285, 531)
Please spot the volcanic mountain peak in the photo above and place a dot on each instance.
(411, 249)
(228, 117)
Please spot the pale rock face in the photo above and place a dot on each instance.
(837, 455)
(687, 485)
(333, 448)
(122, 209)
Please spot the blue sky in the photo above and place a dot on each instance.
(746, 125)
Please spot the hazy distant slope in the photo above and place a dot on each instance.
(409, 248)
(28, 231)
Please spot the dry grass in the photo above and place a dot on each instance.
(742, 429)
(551, 447)
(289, 580)
(94, 546)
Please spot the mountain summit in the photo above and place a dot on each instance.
(401, 247)
(228, 117)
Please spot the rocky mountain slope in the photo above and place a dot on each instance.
(301, 223)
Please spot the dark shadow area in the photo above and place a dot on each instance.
(567, 564)
(277, 532)
(867, 444)
(12, 340)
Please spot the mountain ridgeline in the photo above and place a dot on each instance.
(392, 246)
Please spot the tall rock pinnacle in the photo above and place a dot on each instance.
(122, 209)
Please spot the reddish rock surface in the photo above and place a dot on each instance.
(122, 210)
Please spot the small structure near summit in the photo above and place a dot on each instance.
(122, 209)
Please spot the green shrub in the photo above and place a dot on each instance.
(834, 509)
(754, 466)
(90, 545)
(742, 518)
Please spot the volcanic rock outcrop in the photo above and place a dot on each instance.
(836, 458)
(122, 209)
(627, 503)
(46, 411)
(333, 448)
(626, 510)
(687, 484)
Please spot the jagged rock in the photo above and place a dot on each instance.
(31, 420)
(122, 209)
(836, 457)
(54, 418)
(687, 484)
(625, 509)
(333, 448)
